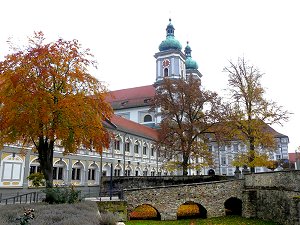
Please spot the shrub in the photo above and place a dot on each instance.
(63, 214)
(108, 218)
(37, 179)
(143, 212)
(59, 195)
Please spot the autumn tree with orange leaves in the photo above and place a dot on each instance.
(249, 114)
(188, 115)
(47, 95)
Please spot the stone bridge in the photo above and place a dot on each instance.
(270, 196)
(210, 197)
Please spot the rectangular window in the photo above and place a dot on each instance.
(73, 173)
(235, 147)
(145, 172)
(32, 169)
(152, 173)
(76, 173)
(127, 149)
(223, 160)
(91, 174)
(136, 149)
(144, 150)
(11, 171)
(152, 151)
(117, 172)
(159, 174)
(54, 173)
(60, 173)
(117, 145)
(136, 173)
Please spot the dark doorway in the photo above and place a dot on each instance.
(233, 206)
(211, 172)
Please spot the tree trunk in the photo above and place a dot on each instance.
(252, 154)
(185, 164)
(45, 150)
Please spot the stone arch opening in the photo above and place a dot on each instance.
(191, 210)
(233, 206)
(145, 212)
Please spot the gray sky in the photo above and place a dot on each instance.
(124, 36)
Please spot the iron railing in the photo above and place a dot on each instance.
(31, 197)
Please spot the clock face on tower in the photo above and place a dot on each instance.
(166, 63)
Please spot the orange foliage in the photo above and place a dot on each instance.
(47, 95)
(187, 210)
(143, 212)
(46, 91)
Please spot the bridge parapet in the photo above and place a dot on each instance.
(281, 180)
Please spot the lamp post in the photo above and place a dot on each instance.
(297, 166)
(110, 183)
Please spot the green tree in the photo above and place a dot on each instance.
(250, 114)
(47, 95)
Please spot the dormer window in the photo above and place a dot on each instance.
(124, 103)
(148, 118)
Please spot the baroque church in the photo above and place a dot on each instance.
(132, 152)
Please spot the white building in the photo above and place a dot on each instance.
(132, 152)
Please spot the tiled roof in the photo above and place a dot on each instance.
(131, 127)
(131, 97)
(265, 127)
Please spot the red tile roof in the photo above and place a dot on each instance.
(131, 97)
(131, 127)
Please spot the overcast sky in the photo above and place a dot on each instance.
(125, 34)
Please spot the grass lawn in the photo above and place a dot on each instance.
(228, 220)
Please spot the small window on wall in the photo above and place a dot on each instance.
(166, 72)
(117, 145)
(11, 171)
(148, 118)
(127, 147)
(91, 174)
(136, 148)
(35, 169)
(152, 151)
(144, 150)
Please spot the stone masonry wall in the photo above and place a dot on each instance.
(167, 200)
(275, 196)
(120, 183)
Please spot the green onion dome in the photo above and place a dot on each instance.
(170, 42)
(189, 62)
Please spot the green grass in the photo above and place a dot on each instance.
(228, 220)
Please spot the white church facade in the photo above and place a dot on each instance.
(132, 152)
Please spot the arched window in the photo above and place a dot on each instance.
(117, 171)
(92, 172)
(59, 169)
(166, 72)
(35, 166)
(77, 171)
(148, 118)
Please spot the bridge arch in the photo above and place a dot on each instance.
(233, 206)
(144, 212)
(191, 209)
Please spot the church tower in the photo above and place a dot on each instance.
(190, 64)
(170, 61)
